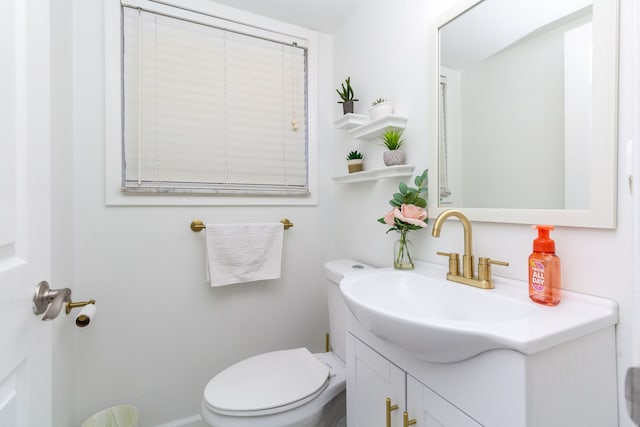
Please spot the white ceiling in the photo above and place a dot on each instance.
(320, 15)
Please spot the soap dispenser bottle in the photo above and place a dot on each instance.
(544, 269)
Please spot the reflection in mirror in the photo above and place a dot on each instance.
(517, 103)
(518, 93)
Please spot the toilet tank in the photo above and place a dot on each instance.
(335, 271)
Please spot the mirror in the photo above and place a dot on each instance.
(524, 97)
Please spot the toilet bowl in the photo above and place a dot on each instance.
(287, 388)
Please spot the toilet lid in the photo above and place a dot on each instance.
(267, 381)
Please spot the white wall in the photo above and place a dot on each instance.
(383, 48)
(160, 333)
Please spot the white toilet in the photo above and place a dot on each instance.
(288, 388)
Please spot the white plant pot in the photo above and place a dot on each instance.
(381, 110)
(394, 157)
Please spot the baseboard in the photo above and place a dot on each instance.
(194, 421)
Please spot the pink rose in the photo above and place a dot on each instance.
(411, 214)
(389, 217)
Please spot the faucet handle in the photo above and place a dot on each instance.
(484, 267)
(454, 264)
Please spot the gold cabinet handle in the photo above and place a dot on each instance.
(406, 421)
(390, 408)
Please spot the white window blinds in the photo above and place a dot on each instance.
(208, 109)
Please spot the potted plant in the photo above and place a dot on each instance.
(346, 96)
(354, 161)
(392, 140)
(380, 108)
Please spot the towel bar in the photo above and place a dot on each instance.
(197, 225)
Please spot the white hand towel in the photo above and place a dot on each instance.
(239, 253)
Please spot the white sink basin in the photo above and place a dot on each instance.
(441, 321)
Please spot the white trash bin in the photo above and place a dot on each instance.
(116, 416)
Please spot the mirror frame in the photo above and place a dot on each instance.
(604, 130)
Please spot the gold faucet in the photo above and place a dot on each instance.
(483, 280)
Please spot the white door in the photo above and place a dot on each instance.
(25, 340)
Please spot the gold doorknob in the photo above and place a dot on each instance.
(390, 408)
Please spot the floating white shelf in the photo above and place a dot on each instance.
(349, 121)
(375, 129)
(375, 174)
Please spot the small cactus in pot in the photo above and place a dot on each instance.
(347, 96)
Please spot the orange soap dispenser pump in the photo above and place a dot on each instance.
(544, 269)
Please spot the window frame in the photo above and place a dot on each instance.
(233, 19)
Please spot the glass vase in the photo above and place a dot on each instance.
(402, 258)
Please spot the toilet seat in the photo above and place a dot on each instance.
(268, 383)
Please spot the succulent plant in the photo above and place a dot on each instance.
(353, 155)
(378, 101)
(392, 139)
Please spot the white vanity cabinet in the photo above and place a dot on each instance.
(372, 379)
(570, 384)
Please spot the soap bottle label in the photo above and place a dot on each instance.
(537, 276)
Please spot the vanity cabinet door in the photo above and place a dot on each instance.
(429, 409)
(371, 379)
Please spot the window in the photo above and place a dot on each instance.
(211, 106)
